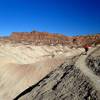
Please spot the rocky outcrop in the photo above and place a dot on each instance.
(65, 83)
(45, 38)
(39, 38)
(93, 62)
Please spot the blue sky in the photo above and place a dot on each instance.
(69, 17)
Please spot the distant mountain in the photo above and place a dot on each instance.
(45, 38)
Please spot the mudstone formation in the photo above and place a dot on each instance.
(44, 38)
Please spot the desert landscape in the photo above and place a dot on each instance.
(33, 70)
(49, 49)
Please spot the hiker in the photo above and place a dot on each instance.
(86, 47)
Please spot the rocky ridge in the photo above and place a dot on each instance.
(45, 38)
(93, 62)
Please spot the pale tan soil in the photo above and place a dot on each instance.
(23, 65)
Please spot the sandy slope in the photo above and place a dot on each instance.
(16, 78)
(23, 65)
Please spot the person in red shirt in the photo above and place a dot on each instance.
(86, 47)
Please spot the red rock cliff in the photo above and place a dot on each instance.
(46, 38)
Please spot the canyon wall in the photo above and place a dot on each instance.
(45, 38)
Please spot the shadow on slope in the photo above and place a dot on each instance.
(64, 83)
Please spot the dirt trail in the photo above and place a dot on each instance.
(81, 64)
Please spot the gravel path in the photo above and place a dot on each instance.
(81, 64)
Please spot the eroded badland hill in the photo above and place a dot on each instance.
(43, 66)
